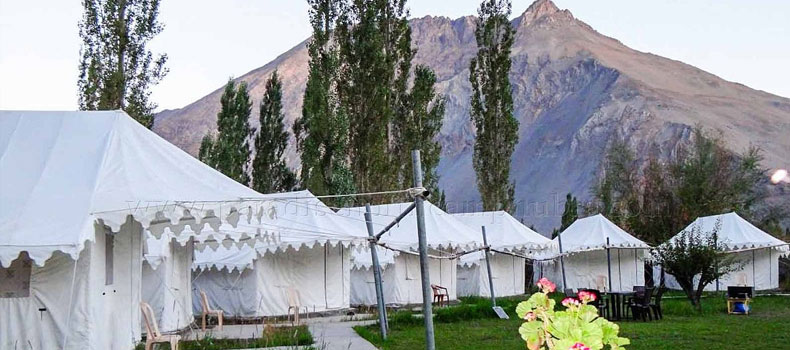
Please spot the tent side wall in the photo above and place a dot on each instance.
(101, 315)
(590, 270)
(760, 268)
(507, 274)
(168, 288)
(401, 281)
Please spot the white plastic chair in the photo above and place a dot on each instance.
(294, 304)
(207, 311)
(153, 336)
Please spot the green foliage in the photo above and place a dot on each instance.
(269, 171)
(375, 62)
(322, 131)
(545, 328)
(696, 259)
(417, 127)
(569, 214)
(492, 105)
(116, 69)
(229, 151)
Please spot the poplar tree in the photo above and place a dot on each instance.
(269, 171)
(375, 54)
(116, 69)
(492, 105)
(229, 150)
(322, 130)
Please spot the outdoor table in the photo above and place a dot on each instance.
(617, 304)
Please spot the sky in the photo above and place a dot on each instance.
(742, 41)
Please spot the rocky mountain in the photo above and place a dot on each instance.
(574, 90)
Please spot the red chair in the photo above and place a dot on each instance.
(440, 295)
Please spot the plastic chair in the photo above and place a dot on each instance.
(152, 330)
(655, 305)
(294, 304)
(207, 311)
(440, 295)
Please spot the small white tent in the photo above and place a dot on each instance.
(79, 190)
(596, 254)
(400, 264)
(510, 242)
(309, 259)
(755, 250)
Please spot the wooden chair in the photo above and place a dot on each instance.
(208, 311)
(294, 303)
(440, 295)
(152, 330)
(739, 295)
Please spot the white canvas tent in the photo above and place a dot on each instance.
(401, 280)
(505, 235)
(755, 250)
(309, 258)
(596, 254)
(79, 190)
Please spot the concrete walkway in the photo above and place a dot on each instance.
(329, 333)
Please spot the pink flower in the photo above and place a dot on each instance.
(568, 302)
(546, 286)
(579, 346)
(530, 316)
(586, 296)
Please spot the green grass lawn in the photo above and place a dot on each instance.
(471, 326)
(280, 336)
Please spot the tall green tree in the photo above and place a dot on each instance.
(269, 171)
(417, 127)
(322, 130)
(375, 55)
(229, 151)
(116, 69)
(492, 105)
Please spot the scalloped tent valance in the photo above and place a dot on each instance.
(64, 172)
(734, 232)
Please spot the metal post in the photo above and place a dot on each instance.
(754, 282)
(376, 274)
(609, 263)
(562, 262)
(488, 266)
(430, 342)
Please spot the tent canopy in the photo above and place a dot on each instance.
(734, 232)
(503, 231)
(63, 171)
(230, 259)
(592, 232)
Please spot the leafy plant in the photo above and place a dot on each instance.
(578, 327)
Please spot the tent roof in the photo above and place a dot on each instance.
(591, 233)
(734, 232)
(361, 259)
(443, 231)
(63, 171)
(503, 231)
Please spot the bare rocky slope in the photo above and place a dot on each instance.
(574, 90)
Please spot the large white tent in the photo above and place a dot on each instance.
(445, 237)
(510, 242)
(756, 251)
(596, 254)
(79, 190)
(307, 261)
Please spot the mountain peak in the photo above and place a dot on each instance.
(538, 9)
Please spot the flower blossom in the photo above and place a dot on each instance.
(568, 302)
(579, 346)
(546, 285)
(586, 296)
(530, 316)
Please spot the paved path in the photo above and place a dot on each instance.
(329, 333)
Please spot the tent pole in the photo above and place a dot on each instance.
(609, 263)
(374, 256)
(430, 342)
(562, 262)
(619, 270)
(754, 282)
(488, 266)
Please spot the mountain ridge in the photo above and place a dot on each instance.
(574, 90)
